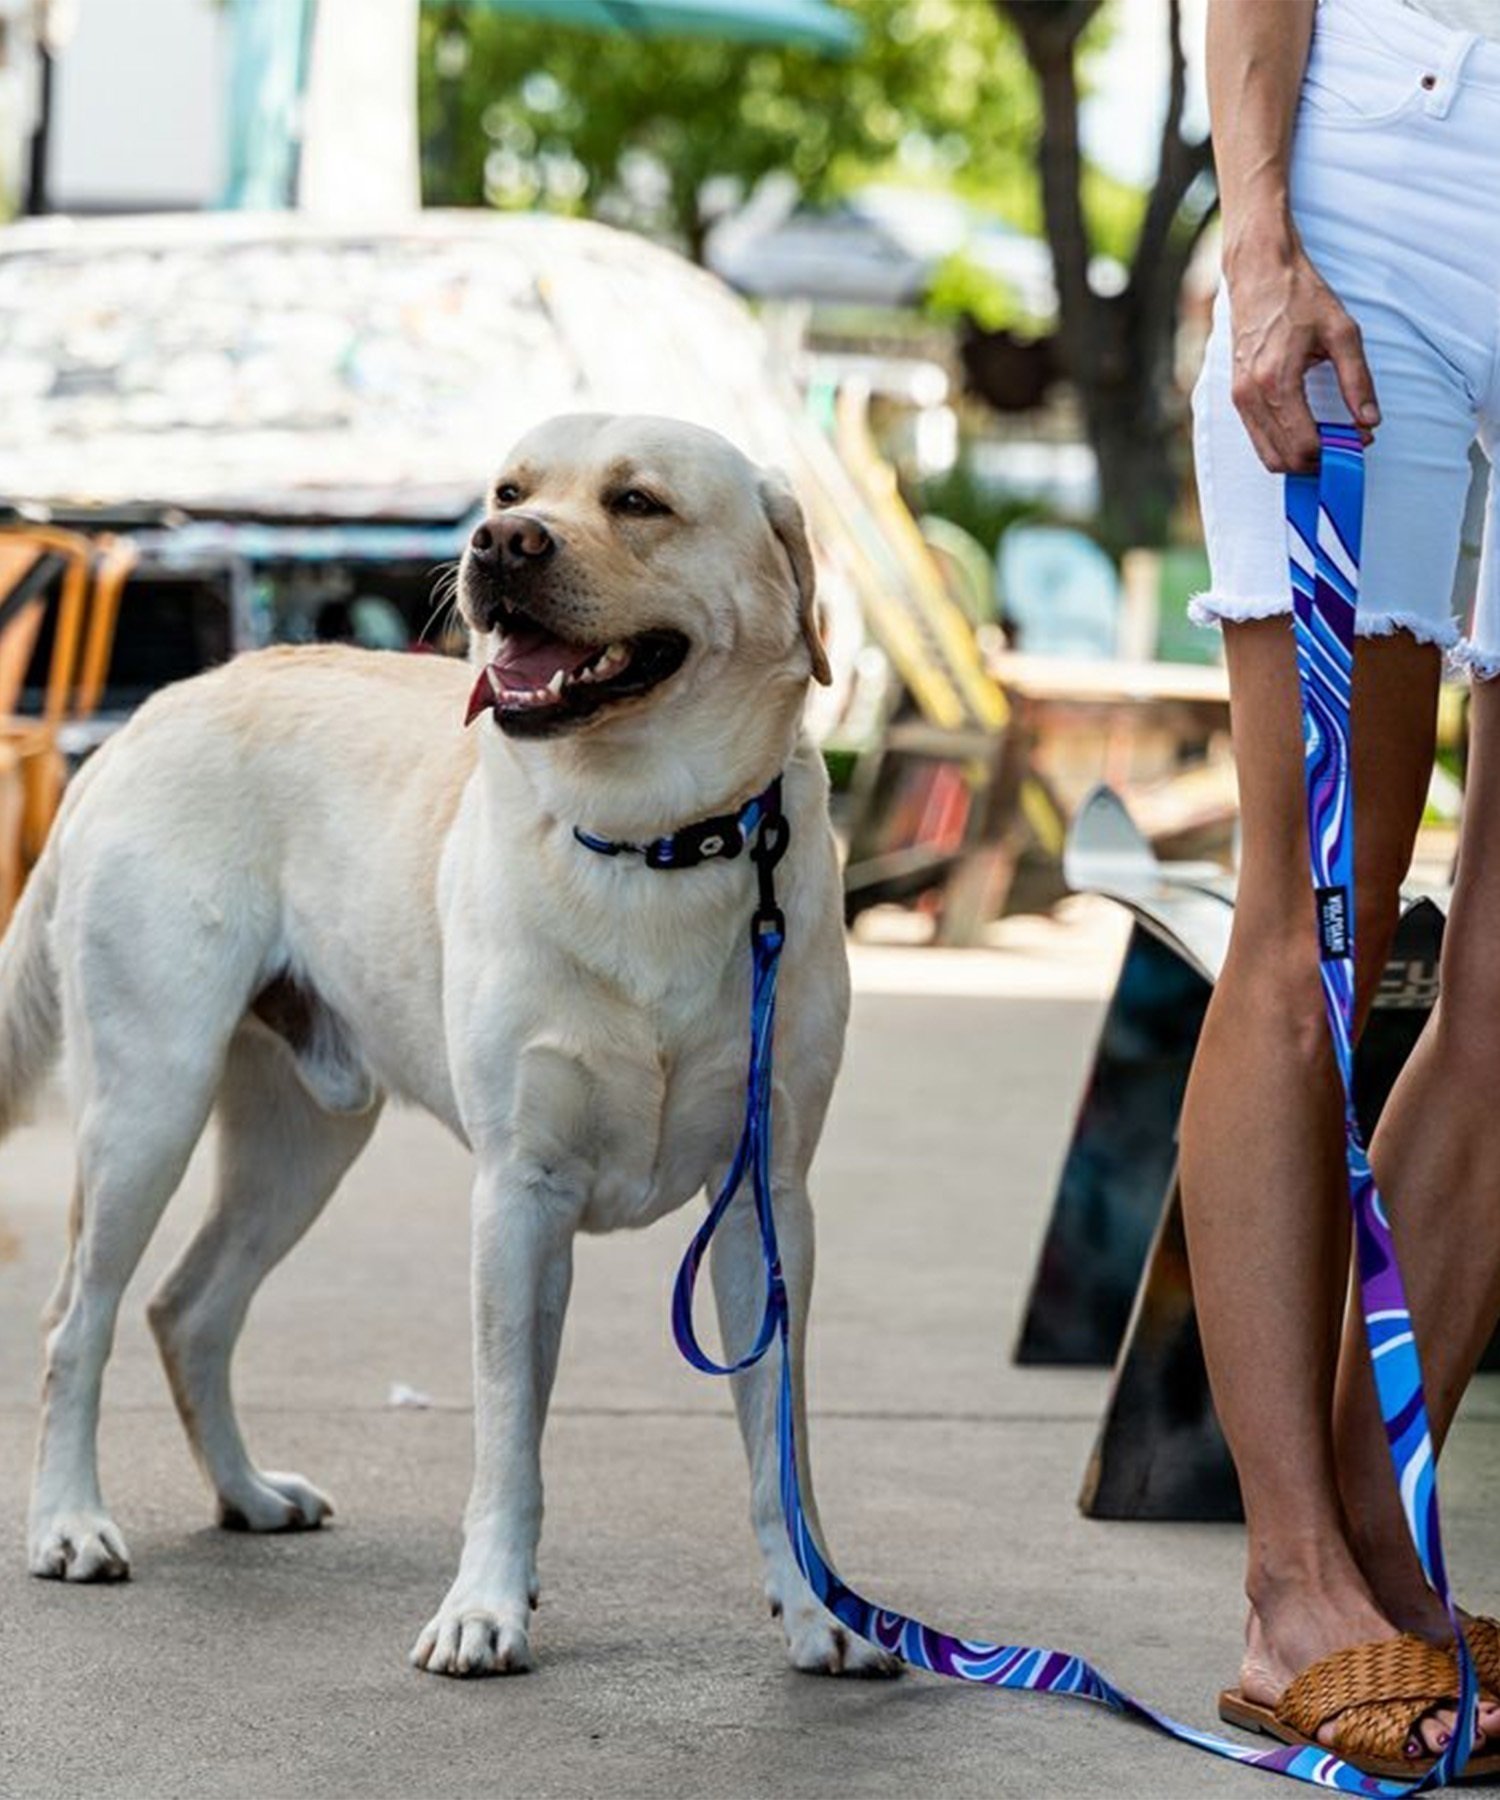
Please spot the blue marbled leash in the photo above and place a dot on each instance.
(1324, 517)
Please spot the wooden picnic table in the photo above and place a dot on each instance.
(1110, 682)
(1156, 730)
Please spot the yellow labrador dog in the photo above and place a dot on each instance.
(296, 885)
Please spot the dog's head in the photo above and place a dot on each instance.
(625, 561)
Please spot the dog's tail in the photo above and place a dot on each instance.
(30, 1009)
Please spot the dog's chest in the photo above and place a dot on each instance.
(636, 1113)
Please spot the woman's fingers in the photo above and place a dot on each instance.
(1346, 350)
(1295, 431)
(1287, 320)
(1272, 402)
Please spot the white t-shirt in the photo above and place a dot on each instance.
(1482, 16)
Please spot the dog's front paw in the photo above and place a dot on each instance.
(78, 1546)
(818, 1645)
(472, 1640)
(275, 1503)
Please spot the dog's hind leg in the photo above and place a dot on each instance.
(137, 1129)
(816, 1642)
(280, 1157)
(156, 957)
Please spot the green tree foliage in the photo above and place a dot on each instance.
(520, 114)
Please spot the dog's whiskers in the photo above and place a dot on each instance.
(445, 596)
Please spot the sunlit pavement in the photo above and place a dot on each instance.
(273, 1667)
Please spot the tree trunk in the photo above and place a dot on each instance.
(1127, 404)
(1138, 473)
(1116, 350)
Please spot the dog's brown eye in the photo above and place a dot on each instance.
(638, 504)
(507, 494)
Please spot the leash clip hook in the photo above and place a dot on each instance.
(766, 851)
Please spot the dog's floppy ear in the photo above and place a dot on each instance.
(785, 518)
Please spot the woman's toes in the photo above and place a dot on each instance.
(1439, 1726)
(1434, 1732)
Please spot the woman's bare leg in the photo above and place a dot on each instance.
(1437, 1160)
(1262, 1163)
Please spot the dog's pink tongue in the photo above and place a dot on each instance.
(528, 660)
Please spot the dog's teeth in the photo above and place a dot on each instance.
(609, 662)
(555, 685)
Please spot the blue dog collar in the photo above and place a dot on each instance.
(710, 840)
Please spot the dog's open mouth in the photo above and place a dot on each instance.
(539, 682)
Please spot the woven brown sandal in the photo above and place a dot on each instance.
(1374, 1695)
(1483, 1637)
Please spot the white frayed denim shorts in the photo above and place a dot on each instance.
(1396, 192)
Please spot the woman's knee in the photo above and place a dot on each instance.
(1272, 975)
(1271, 987)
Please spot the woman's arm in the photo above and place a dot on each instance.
(1285, 316)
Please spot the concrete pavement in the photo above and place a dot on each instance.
(274, 1668)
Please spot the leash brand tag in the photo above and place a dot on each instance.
(1333, 923)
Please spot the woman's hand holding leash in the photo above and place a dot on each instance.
(1286, 320)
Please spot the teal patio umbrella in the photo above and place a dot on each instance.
(814, 24)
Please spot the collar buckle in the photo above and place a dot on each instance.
(709, 840)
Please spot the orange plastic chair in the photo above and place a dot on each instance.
(87, 577)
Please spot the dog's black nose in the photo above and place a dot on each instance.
(511, 540)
